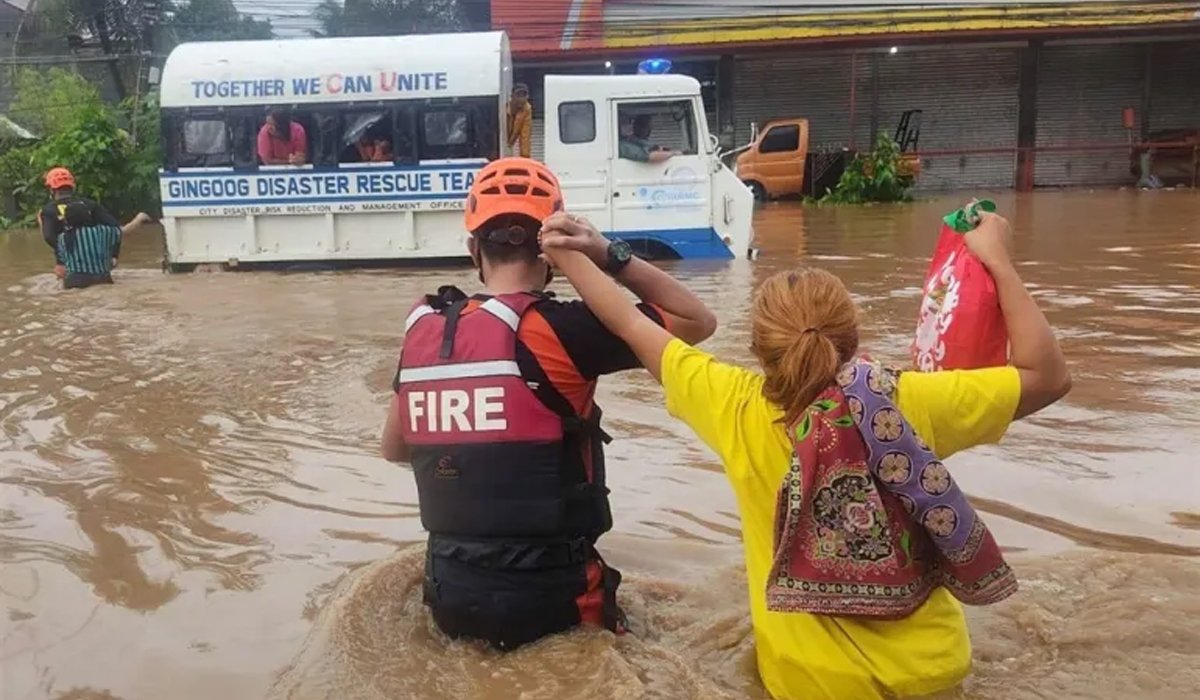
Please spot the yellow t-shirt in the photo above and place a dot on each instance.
(802, 656)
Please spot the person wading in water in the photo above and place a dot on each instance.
(859, 545)
(494, 409)
(86, 239)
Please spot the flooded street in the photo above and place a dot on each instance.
(192, 505)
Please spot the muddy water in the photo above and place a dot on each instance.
(191, 505)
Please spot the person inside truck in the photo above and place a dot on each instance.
(493, 408)
(373, 146)
(282, 140)
(635, 144)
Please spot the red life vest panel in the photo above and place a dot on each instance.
(492, 460)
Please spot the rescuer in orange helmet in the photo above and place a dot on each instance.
(494, 409)
(86, 239)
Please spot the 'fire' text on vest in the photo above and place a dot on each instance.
(479, 409)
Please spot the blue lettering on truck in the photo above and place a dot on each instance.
(193, 189)
(391, 183)
(217, 188)
(287, 186)
(329, 84)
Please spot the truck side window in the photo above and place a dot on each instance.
(366, 137)
(323, 141)
(404, 134)
(781, 139)
(244, 131)
(485, 129)
(646, 127)
(577, 122)
(444, 133)
(204, 143)
(282, 147)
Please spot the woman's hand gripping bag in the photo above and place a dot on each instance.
(960, 325)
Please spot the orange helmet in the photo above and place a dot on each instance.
(512, 186)
(59, 178)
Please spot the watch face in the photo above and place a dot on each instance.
(621, 251)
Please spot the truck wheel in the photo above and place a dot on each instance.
(759, 192)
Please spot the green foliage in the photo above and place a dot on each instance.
(15, 168)
(873, 177)
(50, 101)
(94, 140)
(389, 17)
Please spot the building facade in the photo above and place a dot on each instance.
(1038, 95)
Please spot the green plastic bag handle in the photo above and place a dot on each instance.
(967, 218)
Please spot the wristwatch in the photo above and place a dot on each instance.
(619, 255)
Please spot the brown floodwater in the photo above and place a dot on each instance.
(192, 505)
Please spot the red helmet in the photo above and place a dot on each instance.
(512, 186)
(60, 178)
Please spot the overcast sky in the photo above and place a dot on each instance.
(298, 21)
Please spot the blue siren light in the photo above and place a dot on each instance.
(654, 66)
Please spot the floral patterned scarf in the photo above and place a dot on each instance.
(868, 520)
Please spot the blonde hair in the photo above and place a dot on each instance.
(804, 328)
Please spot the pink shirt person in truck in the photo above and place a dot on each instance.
(282, 141)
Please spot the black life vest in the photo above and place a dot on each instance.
(74, 213)
(498, 456)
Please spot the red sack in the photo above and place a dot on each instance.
(960, 324)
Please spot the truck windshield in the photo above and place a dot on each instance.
(667, 125)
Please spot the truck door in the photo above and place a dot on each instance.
(577, 148)
(656, 198)
(781, 158)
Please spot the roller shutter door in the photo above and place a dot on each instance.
(538, 142)
(969, 98)
(812, 86)
(1175, 85)
(1082, 91)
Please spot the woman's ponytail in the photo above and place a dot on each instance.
(805, 327)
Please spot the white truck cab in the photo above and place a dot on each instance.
(602, 133)
(390, 133)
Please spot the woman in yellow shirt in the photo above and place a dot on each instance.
(804, 329)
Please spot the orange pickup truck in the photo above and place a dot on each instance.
(773, 165)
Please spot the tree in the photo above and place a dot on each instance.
(48, 102)
(213, 20)
(112, 25)
(81, 132)
(389, 17)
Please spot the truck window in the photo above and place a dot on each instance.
(444, 134)
(781, 139)
(485, 128)
(324, 138)
(459, 129)
(297, 139)
(577, 122)
(366, 137)
(244, 130)
(205, 138)
(404, 134)
(652, 126)
(446, 128)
